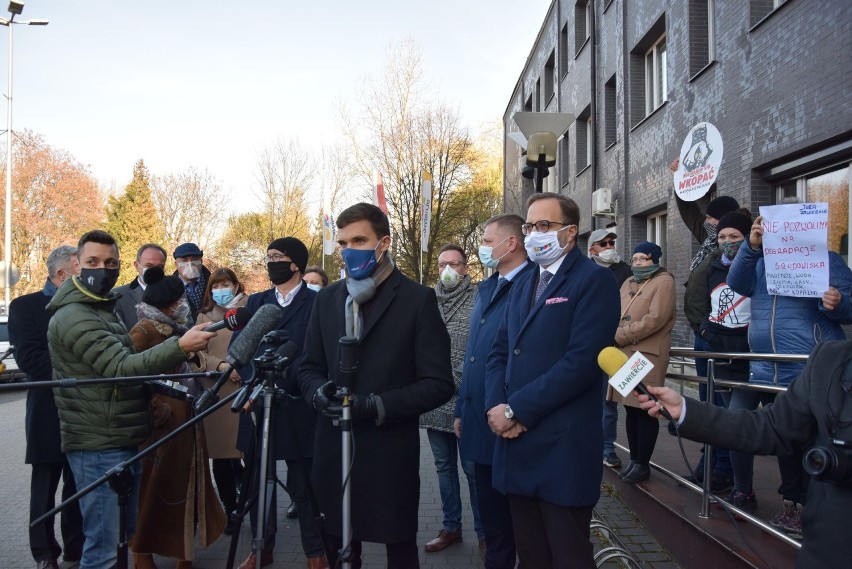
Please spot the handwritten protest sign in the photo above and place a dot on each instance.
(795, 249)
(700, 160)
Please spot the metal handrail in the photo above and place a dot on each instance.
(712, 382)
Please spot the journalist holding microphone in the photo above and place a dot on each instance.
(813, 416)
(104, 424)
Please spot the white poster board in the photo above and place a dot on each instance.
(700, 160)
(795, 249)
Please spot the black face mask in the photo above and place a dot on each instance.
(99, 281)
(279, 272)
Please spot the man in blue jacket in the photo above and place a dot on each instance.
(502, 250)
(543, 391)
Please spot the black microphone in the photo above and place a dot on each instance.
(348, 362)
(289, 352)
(235, 319)
(243, 348)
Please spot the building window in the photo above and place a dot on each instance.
(537, 96)
(655, 76)
(563, 52)
(702, 34)
(582, 24)
(830, 186)
(759, 9)
(610, 116)
(583, 146)
(647, 83)
(656, 232)
(564, 160)
(549, 78)
(528, 106)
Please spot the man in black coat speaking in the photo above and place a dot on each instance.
(403, 371)
(814, 413)
(28, 333)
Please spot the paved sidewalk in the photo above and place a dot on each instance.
(14, 501)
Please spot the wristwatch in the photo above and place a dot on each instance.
(509, 413)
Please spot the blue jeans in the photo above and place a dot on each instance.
(445, 449)
(100, 506)
(721, 456)
(610, 420)
(793, 479)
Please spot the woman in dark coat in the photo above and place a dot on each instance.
(175, 492)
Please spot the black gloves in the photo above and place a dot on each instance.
(365, 408)
(325, 397)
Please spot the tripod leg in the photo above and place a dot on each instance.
(122, 483)
(247, 499)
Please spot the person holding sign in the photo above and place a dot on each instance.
(647, 319)
(784, 325)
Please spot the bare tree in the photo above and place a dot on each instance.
(192, 206)
(400, 132)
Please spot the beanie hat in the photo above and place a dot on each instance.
(162, 291)
(294, 249)
(722, 205)
(737, 220)
(651, 249)
(188, 250)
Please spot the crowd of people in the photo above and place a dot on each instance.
(502, 375)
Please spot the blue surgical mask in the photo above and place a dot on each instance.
(360, 263)
(485, 252)
(314, 287)
(222, 296)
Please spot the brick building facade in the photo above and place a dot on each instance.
(773, 76)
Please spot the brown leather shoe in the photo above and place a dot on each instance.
(317, 562)
(483, 548)
(445, 539)
(251, 562)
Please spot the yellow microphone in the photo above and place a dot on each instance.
(626, 377)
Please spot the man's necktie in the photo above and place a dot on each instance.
(501, 284)
(543, 281)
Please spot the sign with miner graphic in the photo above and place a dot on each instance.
(700, 160)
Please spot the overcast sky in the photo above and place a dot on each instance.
(208, 83)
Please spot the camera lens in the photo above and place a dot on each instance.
(819, 462)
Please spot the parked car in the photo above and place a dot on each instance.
(10, 372)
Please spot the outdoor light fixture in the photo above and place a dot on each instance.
(542, 131)
(16, 7)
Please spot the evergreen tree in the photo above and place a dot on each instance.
(132, 220)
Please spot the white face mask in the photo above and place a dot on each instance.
(544, 248)
(314, 287)
(450, 278)
(607, 256)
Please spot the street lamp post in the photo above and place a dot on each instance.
(15, 9)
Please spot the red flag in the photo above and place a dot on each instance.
(379, 194)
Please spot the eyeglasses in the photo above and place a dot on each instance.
(454, 264)
(640, 258)
(607, 243)
(276, 258)
(540, 226)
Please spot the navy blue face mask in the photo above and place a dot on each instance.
(360, 263)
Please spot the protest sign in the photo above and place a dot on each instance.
(700, 159)
(795, 249)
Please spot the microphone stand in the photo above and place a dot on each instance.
(74, 382)
(122, 481)
(348, 371)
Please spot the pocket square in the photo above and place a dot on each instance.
(556, 300)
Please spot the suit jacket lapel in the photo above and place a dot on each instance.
(384, 296)
(556, 283)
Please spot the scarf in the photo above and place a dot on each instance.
(449, 301)
(147, 312)
(361, 291)
(706, 248)
(49, 288)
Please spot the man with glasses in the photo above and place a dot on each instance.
(602, 251)
(456, 295)
(543, 391)
(293, 423)
(188, 259)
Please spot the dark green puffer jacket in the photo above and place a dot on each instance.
(88, 340)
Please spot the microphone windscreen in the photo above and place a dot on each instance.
(245, 345)
(611, 359)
